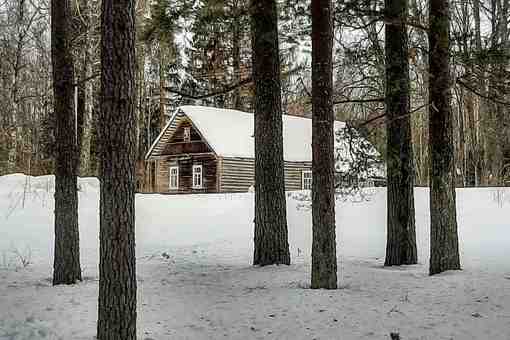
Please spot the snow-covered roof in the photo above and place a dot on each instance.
(230, 132)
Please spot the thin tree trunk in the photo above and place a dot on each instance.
(236, 56)
(117, 266)
(271, 235)
(324, 263)
(481, 138)
(162, 117)
(66, 266)
(15, 130)
(444, 244)
(401, 235)
(472, 145)
(460, 127)
(88, 92)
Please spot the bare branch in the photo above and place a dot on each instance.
(370, 100)
(225, 90)
(479, 94)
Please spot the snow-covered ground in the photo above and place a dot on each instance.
(196, 282)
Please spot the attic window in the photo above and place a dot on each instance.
(306, 180)
(187, 134)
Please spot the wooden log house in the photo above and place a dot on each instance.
(210, 150)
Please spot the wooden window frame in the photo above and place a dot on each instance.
(174, 167)
(197, 166)
(305, 179)
(187, 134)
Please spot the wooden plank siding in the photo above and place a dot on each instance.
(237, 174)
(159, 148)
(185, 164)
(178, 146)
(220, 174)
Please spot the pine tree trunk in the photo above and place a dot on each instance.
(401, 234)
(66, 266)
(271, 235)
(324, 263)
(444, 245)
(117, 266)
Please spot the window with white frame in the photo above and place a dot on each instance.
(187, 134)
(306, 180)
(197, 177)
(174, 177)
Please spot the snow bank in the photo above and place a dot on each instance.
(195, 279)
(166, 221)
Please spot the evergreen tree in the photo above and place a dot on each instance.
(66, 265)
(117, 130)
(271, 235)
(324, 263)
(444, 243)
(401, 235)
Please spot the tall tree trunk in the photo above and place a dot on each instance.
(87, 90)
(66, 266)
(324, 264)
(271, 235)
(117, 266)
(401, 234)
(421, 117)
(444, 244)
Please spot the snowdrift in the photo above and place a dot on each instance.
(226, 221)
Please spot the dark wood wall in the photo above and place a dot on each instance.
(185, 164)
(237, 174)
(177, 146)
(220, 174)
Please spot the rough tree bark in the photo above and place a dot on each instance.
(117, 132)
(66, 265)
(271, 235)
(500, 130)
(401, 233)
(444, 245)
(324, 263)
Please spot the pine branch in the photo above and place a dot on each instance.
(225, 90)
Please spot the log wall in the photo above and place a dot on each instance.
(237, 174)
(185, 164)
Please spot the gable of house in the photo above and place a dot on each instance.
(186, 139)
(230, 133)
